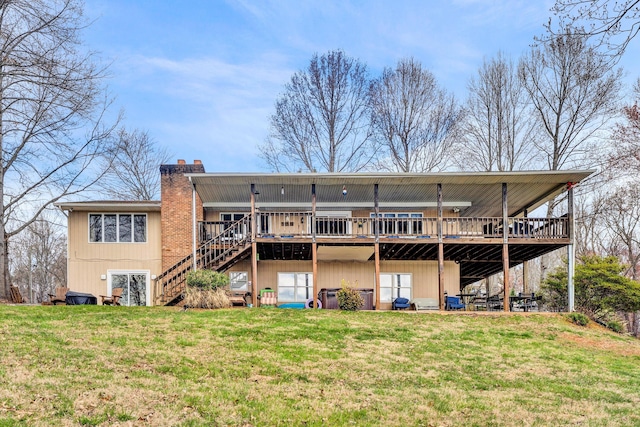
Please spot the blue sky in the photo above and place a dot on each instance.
(202, 76)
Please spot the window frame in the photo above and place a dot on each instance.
(395, 288)
(132, 215)
(246, 281)
(296, 286)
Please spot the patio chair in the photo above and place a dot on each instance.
(114, 299)
(60, 297)
(400, 303)
(268, 298)
(453, 303)
(494, 302)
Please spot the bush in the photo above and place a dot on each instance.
(615, 326)
(349, 299)
(206, 298)
(206, 279)
(578, 318)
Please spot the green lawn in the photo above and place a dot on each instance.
(89, 365)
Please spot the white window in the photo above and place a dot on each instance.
(114, 228)
(294, 287)
(238, 281)
(394, 285)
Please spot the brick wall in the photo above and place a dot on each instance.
(176, 222)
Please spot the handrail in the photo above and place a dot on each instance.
(298, 224)
(208, 253)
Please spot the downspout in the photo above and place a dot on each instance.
(193, 223)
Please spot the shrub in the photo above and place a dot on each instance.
(206, 298)
(349, 299)
(615, 326)
(578, 318)
(206, 279)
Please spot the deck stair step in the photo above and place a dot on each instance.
(218, 254)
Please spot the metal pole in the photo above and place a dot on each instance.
(193, 223)
(254, 248)
(571, 254)
(505, 246)
(440, 250)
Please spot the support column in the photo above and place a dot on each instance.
(314, 246)
(525, 265)
(505, 247)
(571, 254)
(314, 258)
(254, 249)
(376, 244)
(440, 250)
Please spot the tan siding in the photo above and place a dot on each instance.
(88, 261)
(330, 274)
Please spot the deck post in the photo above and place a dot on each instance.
(571, 254)
(376, 210)
(505, 247)
(254, 249)
(376, 244)
(314, 246)
(440, 250)
(313, 213)
(525, 265)
(314, 258)
(376, 252)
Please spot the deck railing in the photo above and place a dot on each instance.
(298, 224)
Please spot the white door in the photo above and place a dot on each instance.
(134, 284)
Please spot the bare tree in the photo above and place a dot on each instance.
(620, 217)
(133, 173)
(624, 160)
(498, 132)
(574, 93)
(320, 122)
(39, 261)
(413, 119)
(614, 24)
(50, 94)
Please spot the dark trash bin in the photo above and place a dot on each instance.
(79, 298)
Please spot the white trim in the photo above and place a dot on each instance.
(335, 205)
(386, 273)
(333, 214)
(147, 273)
(117, 214)
(309, 278)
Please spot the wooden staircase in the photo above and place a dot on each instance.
(218, 253)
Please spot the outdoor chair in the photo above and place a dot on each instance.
(400, 303)
(453, 303)
(529, 301)
(60, 297)
(114, 299)
(268, 298)
(494, 302)
(238, 298)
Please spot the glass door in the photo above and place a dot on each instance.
(134, 287)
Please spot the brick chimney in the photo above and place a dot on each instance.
(176, 221)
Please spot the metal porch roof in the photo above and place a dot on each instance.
(476, 194)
